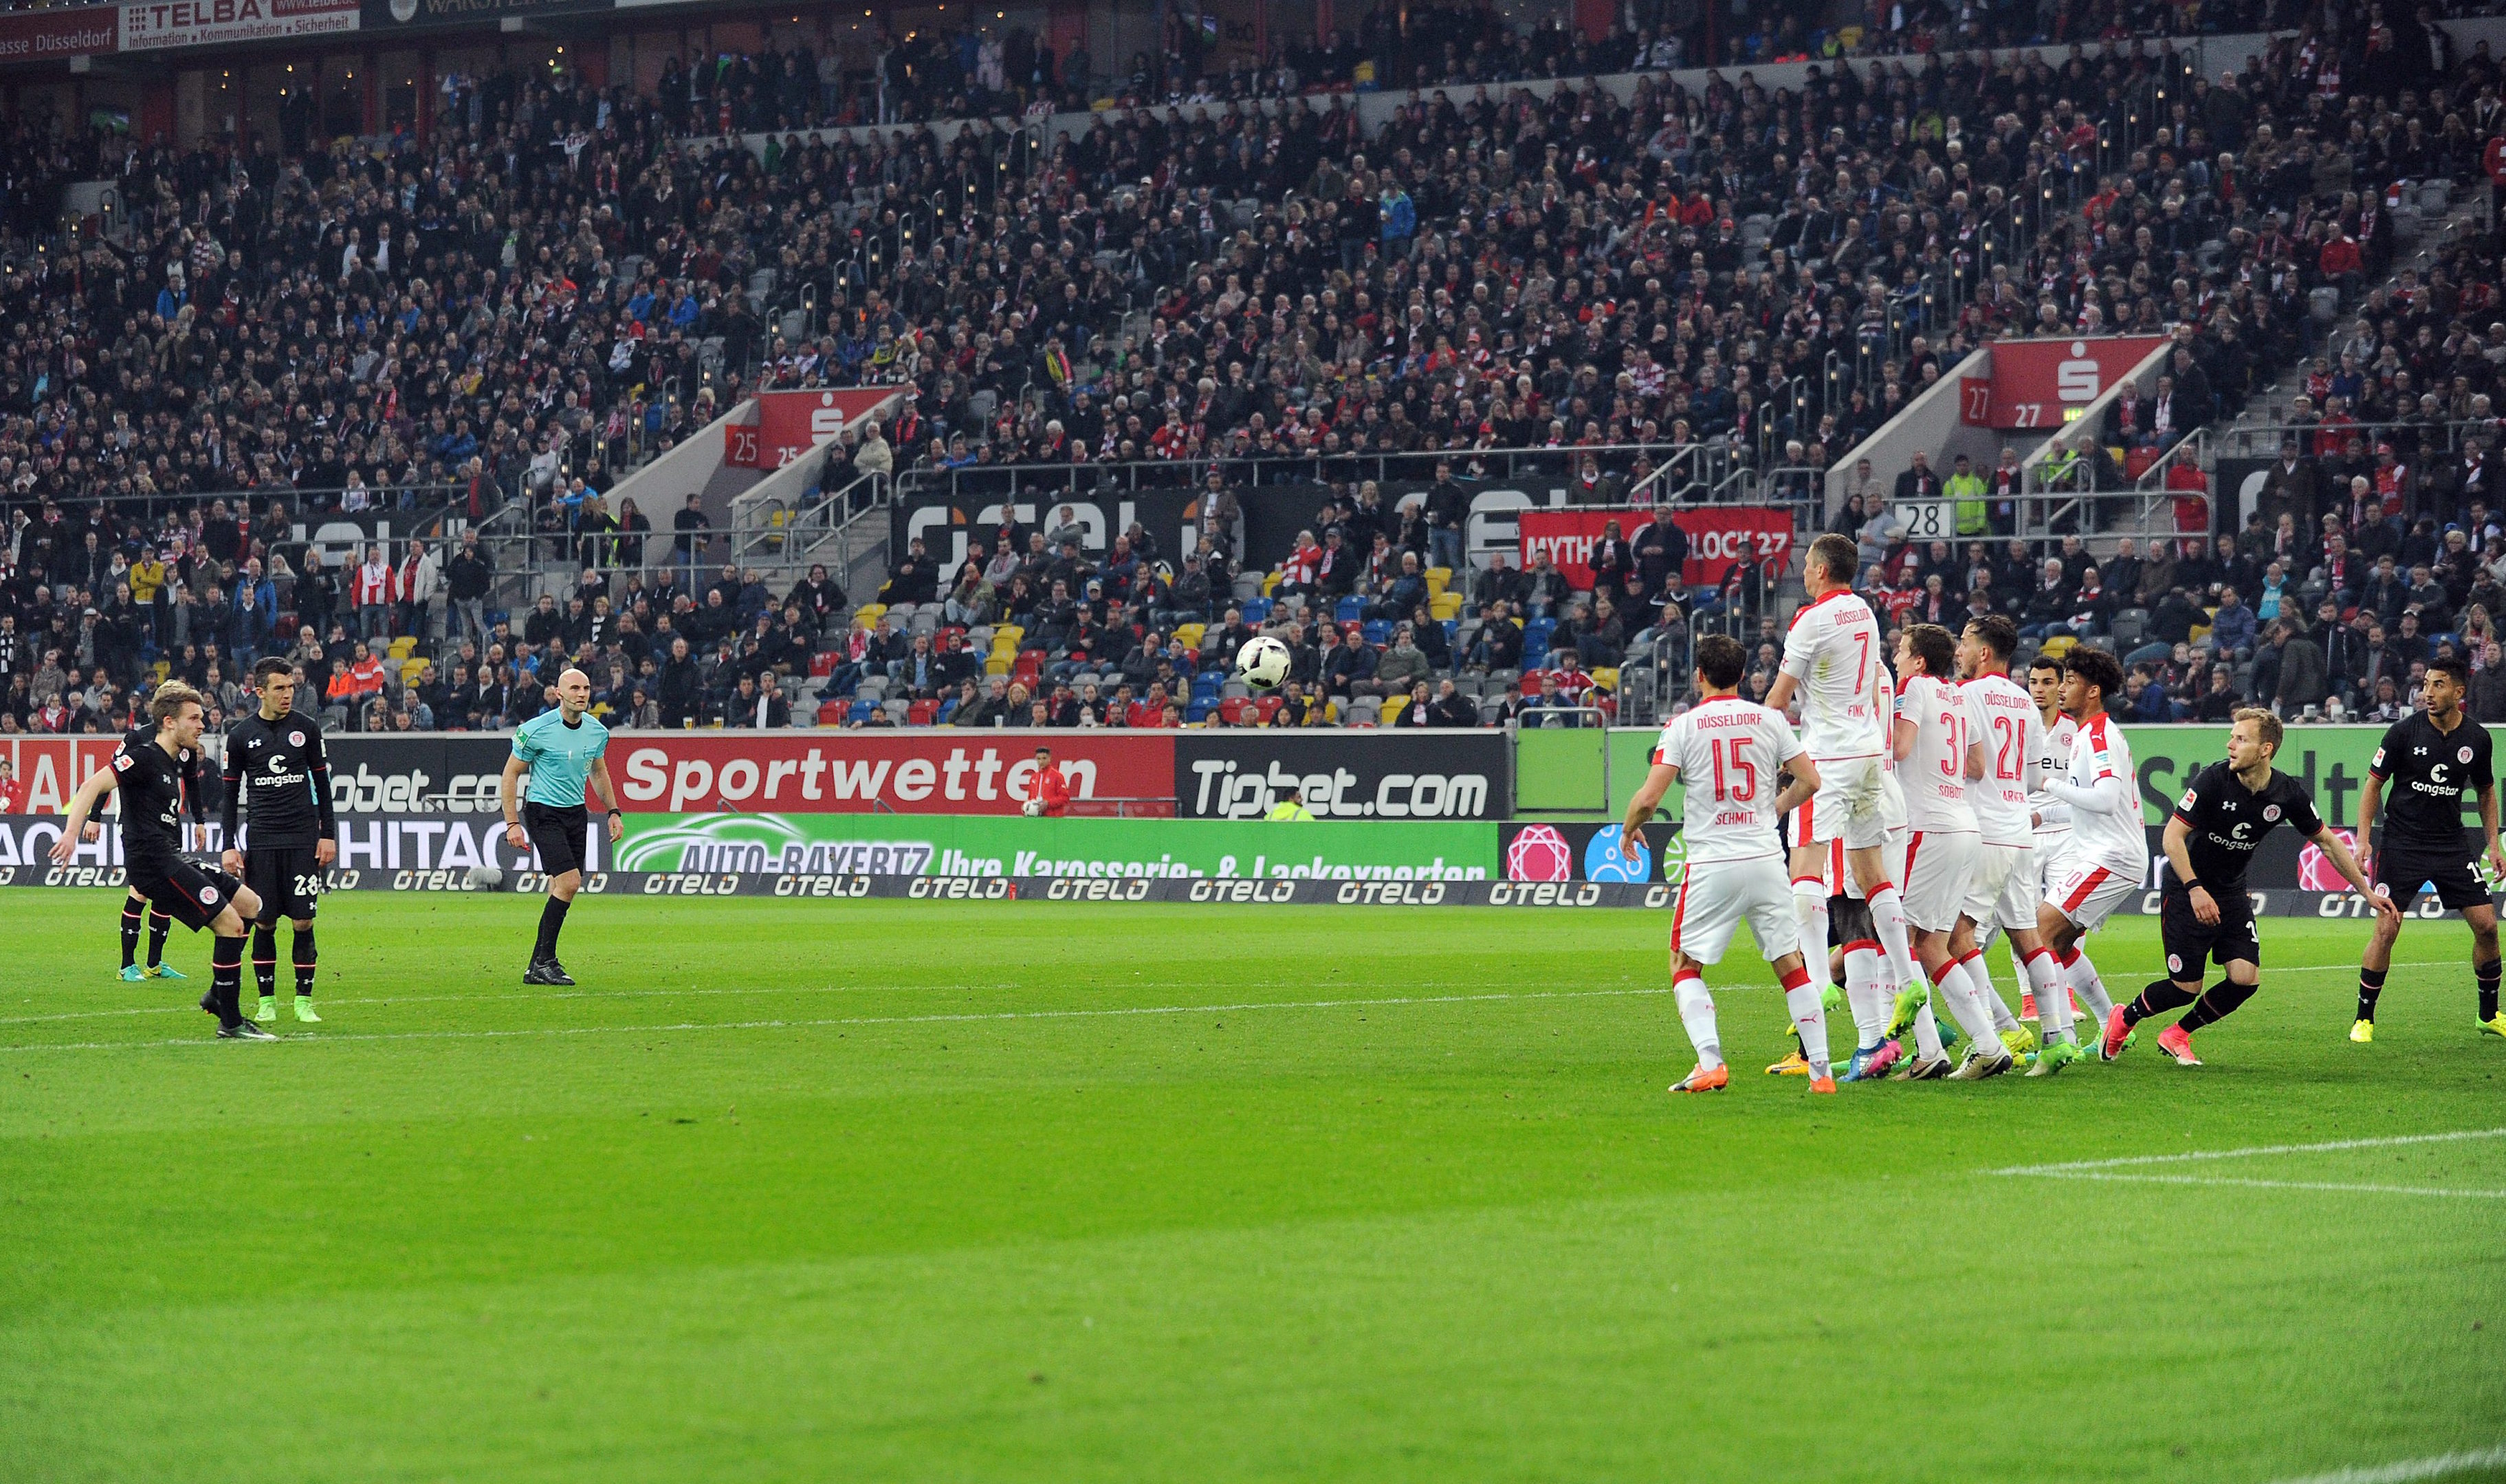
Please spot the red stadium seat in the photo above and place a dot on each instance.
(921, 712)
(823, 663)
(1268, 706)
(1234, 709)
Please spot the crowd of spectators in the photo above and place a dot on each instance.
(551, 286)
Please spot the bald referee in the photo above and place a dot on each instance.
(561, 750)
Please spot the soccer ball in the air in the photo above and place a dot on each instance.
(1263, 664)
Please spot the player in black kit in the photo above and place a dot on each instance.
(135, 907)
(275, 770)
(2432, 760)
(2204, 911)
(150, 782)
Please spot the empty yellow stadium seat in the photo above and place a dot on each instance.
(1189, 634)
(998, 665)
(1439, 579)
(1445, 605)
(403, 647)
(1393, 706)
(2056, 649)
(1270, 581)
(1607, 678)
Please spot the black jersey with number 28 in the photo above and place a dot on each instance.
(2228, 820)
(277, 772)
(2432, 775)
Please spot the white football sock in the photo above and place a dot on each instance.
(1927, 1035)
(1809, 1016)
(1863, 994)
(1950, 986)
(2052, 1004)
(1888, 917)
(1978, 979)
(2082, 976)
(1696, 1013)
(1809, 910)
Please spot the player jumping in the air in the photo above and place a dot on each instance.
(561, 750)
(1732, 753)
(150, 775)
(2432, 760)
(191, 773)
(2205, 912)
(2108, 855)
(1937, 750)
(1835, 663)
(276, 770)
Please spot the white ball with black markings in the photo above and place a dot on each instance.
(1262, 663)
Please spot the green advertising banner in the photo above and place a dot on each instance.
(979, 845)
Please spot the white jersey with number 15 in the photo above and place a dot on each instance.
(1730, 754)
(1834, 655)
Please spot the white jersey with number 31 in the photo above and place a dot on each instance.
(1834, 655)
(1934, 773)
(1730, 754)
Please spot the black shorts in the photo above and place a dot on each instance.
(560, 835)
(287, 878)
(1848, 920)
(191, 895)
(2191, 943)
(2402, 870)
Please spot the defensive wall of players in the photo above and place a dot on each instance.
(818, 813)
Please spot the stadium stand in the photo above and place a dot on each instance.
(1690, 291)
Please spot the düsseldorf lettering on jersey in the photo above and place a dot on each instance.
(2005, 719)
(1834, 655)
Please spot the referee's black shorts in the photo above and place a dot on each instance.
(2402, 870)
(191, 895)
(561, 835)
(287, 878)
(2190, 944)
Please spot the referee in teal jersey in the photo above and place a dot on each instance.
(561, 750)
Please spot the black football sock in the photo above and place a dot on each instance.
(226, 979)
(2486, 974)
(551, 923)
(158, 925)
(2371, 987)
(2217, 1001)
(2162, 996)
(264, 959)
(133, 913)
(304, 962)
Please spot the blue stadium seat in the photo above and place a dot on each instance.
(1377, 631)
(860, 712)
(1206, 684)
(1257, 610)
(1349, 610)
(1201, 710)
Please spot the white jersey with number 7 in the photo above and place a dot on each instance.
(1730, 754)
(1834, 655)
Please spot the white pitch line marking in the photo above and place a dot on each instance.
(2193, 1155)
(2408, 1470)
(859, 1020)
(2264, 1185)
(186, 1008)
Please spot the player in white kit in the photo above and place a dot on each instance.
(1732, 753)
(2053, 819)
(1937, 752)
(2002, 897)
(1836, 664)
(2108, 858)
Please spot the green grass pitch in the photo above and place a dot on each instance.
(900, 1191)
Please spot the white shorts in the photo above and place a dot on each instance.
(2049, 845)
(2004, 891)
(1938, 868)
(1847, 805)
(2086, 892)
(1716, 895)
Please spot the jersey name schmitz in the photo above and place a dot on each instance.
(2007, 724)
(1730, 754)
(1934, 773)
(2117, 841)
(1834, 655)
(2054, 760)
